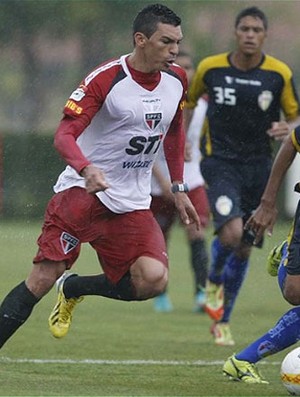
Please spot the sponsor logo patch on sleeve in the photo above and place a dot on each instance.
(73, 106)
(79, 93)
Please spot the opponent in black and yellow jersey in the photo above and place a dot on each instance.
(242, 105)
(283, 262)
(247, 92)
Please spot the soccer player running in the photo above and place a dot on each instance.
(283, 261)
(114, 123)
(247, 90)
(163, 207)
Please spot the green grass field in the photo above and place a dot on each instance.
(126, 349)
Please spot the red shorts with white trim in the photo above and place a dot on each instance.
(74, 217)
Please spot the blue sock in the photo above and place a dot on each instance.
(281, 276)
(235, 273)
(219, 254)
(285, 333)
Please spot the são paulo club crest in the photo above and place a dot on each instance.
(68, 242)
(153, 119)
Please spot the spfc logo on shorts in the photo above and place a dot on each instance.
(68, 242)
(153, 119)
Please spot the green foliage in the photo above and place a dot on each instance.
(179, 356)
(48, 46)
(31, 166)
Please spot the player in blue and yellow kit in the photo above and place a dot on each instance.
(282, 261)
(247, 92)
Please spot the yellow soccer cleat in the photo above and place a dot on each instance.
(242, 371)
(222, 335)
(61, 316)
(214, 304)
(274, 258)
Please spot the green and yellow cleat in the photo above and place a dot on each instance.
(222, 334)
(242, 371)
(274, 258)
(61, 316)
(214, 304)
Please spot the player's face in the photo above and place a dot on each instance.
(162, 47)
(250, 34)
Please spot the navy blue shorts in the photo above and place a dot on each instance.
(234, 189)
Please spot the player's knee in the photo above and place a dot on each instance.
(231, 233)
(43, 276)
(292, 295)
(291, 289)
(156, 279)
(231, 236)
(159, 281)
(151, 281)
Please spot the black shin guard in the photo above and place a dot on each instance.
(199, 261)
(77, 286)
(14, 310)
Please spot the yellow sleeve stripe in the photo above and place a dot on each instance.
(197, 87)
(295, 141)
(278, 66)
(289, 101)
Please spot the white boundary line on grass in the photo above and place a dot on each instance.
(119, 362)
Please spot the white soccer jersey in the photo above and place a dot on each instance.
(125, 133)
(192, 173)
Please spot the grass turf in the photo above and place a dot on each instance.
(132, 350)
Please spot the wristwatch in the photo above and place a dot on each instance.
(180, 187)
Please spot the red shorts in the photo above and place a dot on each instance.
(199, 200)
(165, 211)
(74, 217)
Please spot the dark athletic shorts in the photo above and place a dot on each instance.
(234, 189)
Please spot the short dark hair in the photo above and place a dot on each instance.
(147, 19)
(252, 12)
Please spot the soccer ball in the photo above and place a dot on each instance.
(290, 372)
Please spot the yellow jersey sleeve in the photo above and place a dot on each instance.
(289, 100)
(198, 86)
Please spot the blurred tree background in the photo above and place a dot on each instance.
(48, 46)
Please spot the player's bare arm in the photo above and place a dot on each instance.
(187, 117)
(188, 151)
(279, 130)
(265, 215)
(164, 183)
